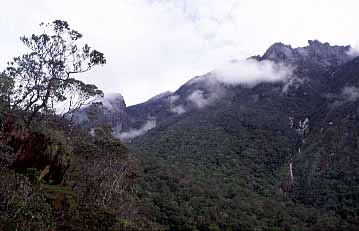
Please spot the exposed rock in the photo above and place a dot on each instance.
(35, 150)
(163, 95)
(109, 110)
(322, 54)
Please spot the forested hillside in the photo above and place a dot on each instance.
(266, 143)
(262, 158)
(54, 174)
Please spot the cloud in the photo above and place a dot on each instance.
(112, 101)
(350, 93)
(293, 82)
(247, 73)
(251, 72)
(174, 98)
(353, 51)
(178, 109)
(347, 94)
(200, 100)
(132, 133)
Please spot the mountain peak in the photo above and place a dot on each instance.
(161, 95)
(113, 102)
(279, 52)
(318, 53)
(317, 43)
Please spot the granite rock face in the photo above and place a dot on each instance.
(322, 54)
(109, 110)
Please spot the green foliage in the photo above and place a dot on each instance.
(69, 181)
(40, 80)
(53, 174)
(217, 174)
(6, 90)
(97, 219)
(23, 204)
(227, 166)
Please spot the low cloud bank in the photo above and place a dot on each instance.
(293, 82)
(347, 94)
(353, 51)
(350, 93)
(251, 72)
(112, 101)
(132, 133)
(247, 73)
(178, 109)
(199, 99)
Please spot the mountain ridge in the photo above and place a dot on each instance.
(264, 156)
(311, 62)
(169, 104)
(278, 154)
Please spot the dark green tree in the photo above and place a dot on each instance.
(42, 79)
(6, 87)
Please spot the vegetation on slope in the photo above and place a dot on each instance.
(54, 175)
(227, 167)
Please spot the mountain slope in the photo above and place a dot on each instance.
(265, 157)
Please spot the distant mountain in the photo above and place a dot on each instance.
(310, 62)
(316, 53)
(280, 153)
(111, 109)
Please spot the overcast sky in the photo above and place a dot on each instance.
(156, 45)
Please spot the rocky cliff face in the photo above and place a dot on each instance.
(41, 150)
(114, 103)
(312, 62)
(322, 54)
(109, 110)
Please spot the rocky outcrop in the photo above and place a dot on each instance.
(321, 54)
(109, 110)
(47, 153)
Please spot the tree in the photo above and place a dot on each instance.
(6, 86)
(42, 79)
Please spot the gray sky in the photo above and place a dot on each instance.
(156, 45)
